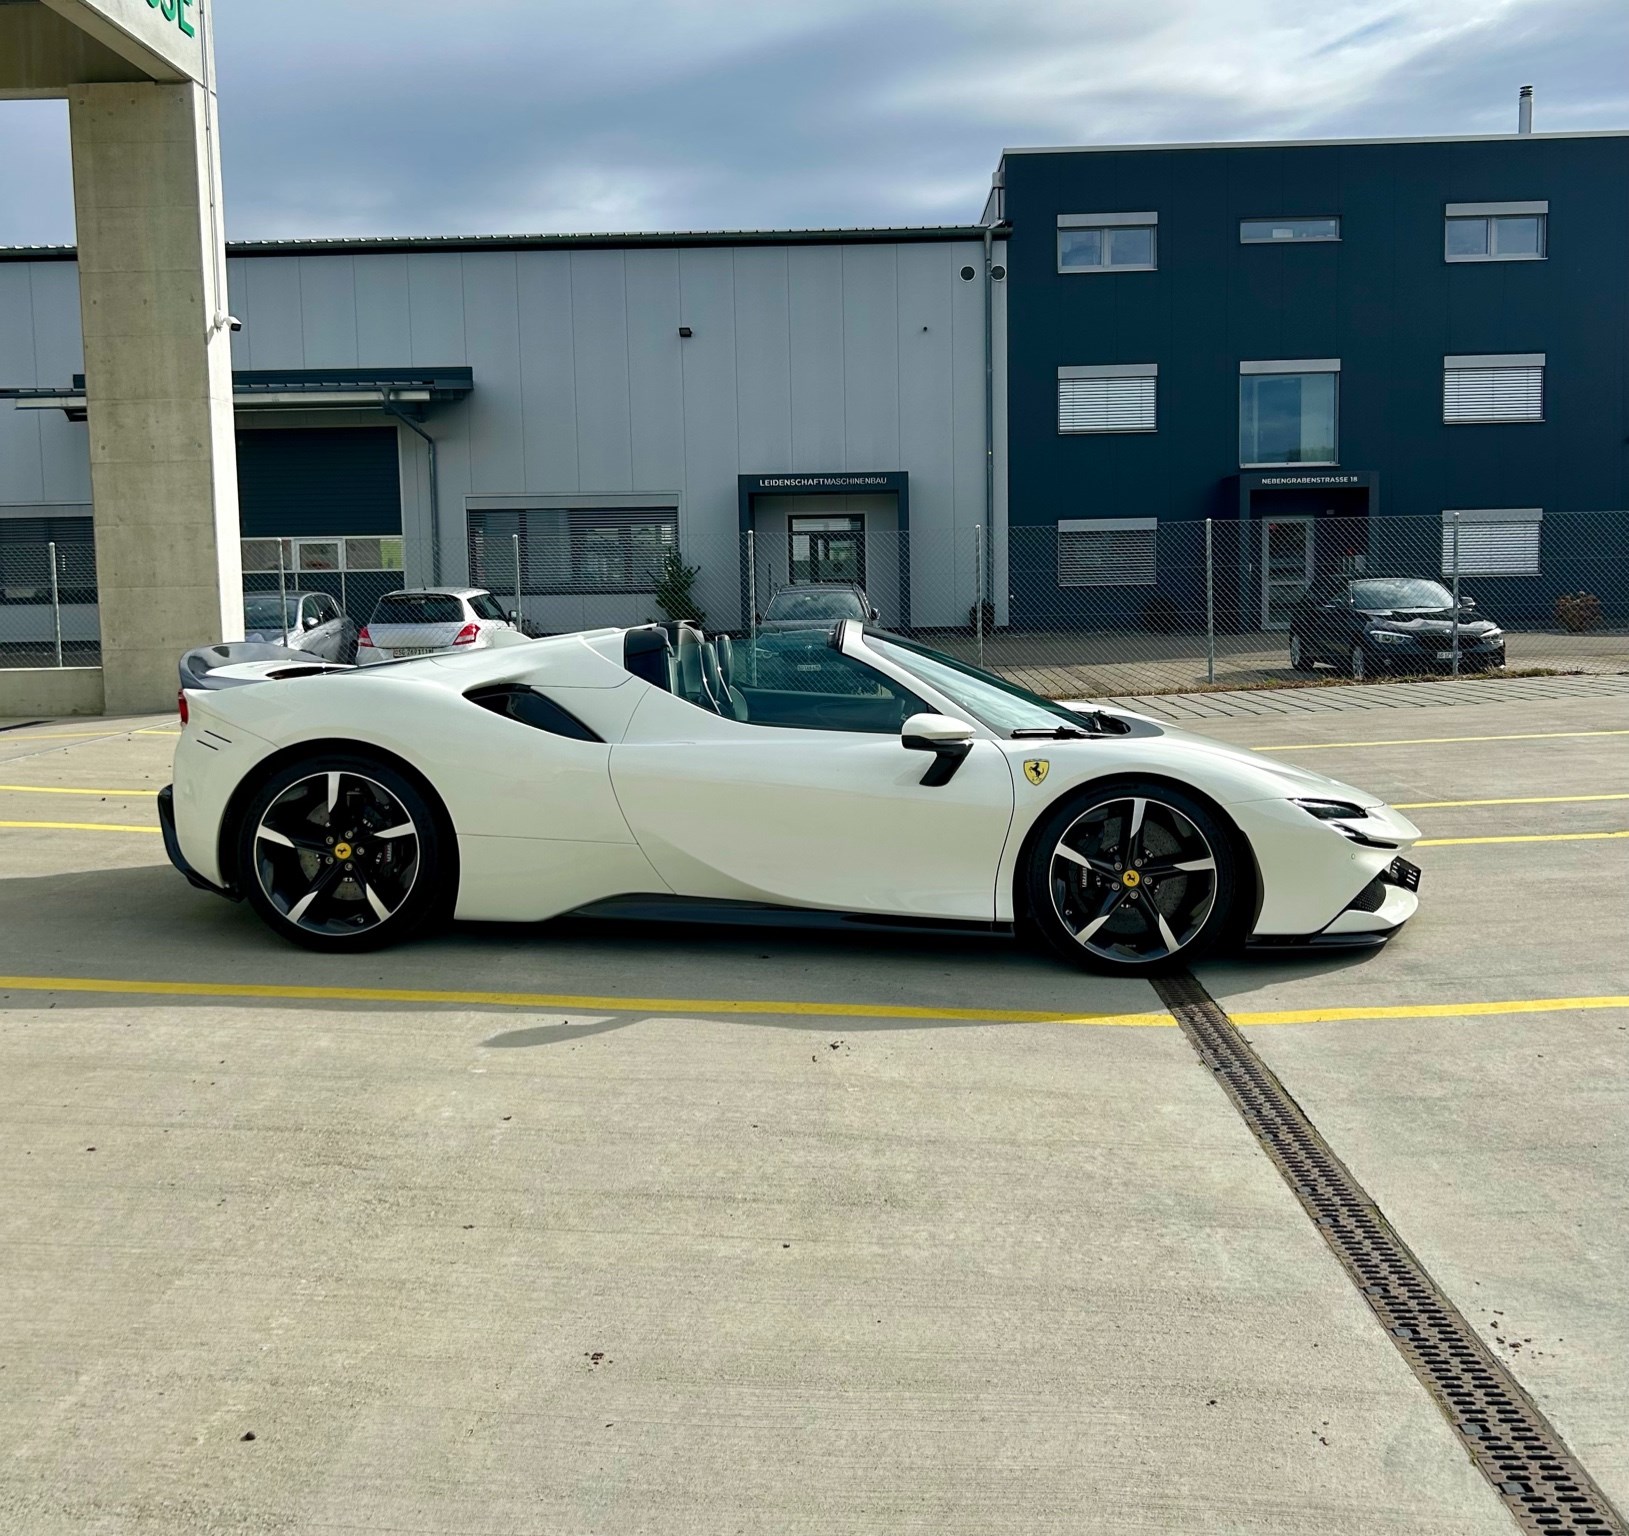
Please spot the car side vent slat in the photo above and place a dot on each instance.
(526, 706)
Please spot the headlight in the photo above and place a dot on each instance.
(1338, 813)
(1387, 636)
(1332, 810)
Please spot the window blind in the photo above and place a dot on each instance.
(1114, 402)
(1107, 552)
(1501, 393)
(1496, 542)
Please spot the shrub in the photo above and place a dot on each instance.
(1578, 611)
(673, 589)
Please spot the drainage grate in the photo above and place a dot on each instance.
(1506, 1435)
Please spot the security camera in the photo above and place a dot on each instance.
(233, 323)
(224, 322)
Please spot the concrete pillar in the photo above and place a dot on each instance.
(158, 382)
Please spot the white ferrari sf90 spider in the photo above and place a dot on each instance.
(847, 772)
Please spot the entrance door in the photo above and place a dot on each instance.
(1287, 553)
(827, 549)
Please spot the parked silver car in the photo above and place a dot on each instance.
(301, 621)
(418, 620)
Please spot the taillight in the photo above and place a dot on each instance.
(468, 635)
(181, 704)
(363, 637)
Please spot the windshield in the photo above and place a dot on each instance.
(1000, 705)
(835, 604)
(262, 612)
(1401, 593)
(486, 606)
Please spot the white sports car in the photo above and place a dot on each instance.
(847, 772)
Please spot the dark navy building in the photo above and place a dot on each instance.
(1299, 341)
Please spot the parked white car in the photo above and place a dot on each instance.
(850, 772)
(417, 621)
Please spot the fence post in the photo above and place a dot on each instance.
(56, 602)
(978, 588)
(1456, 595)
(514, 538)
(282, 592)
(344, 599)
(752, 602)
(1210, 607)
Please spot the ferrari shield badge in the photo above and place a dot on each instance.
(1035, 769)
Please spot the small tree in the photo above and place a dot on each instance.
(673, 589)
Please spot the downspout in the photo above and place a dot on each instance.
(989, 411)
(392, 409)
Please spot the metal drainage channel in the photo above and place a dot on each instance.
(1505, 1434)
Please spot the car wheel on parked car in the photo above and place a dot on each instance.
(1300, 661)
(1357, 664)
(342, 853)
(1131, 877)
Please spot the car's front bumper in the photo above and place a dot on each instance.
(1369, 919)
(1429, 653)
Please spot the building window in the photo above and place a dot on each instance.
(1288, 412)
(1116, 398)
(265, 557)
(25, 559)
(1107, 242)
(1503, 541)
(572, 550)
(1284, 231)
(1492, 388)
(1107, 552)
(1495, 231)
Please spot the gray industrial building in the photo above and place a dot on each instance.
(426, 410)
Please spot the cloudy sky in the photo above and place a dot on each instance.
(353, 117)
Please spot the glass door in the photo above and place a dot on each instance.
(1286, 567)
(827, 549)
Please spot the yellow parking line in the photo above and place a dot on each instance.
(1430, 1010)
(1521, 837)
(1439, 805)
(695, 1006)
(78, 826)
(1427, 741)
(558, 1001)
(127, 794)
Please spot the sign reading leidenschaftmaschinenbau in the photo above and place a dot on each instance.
(836, 484)
(176, 11)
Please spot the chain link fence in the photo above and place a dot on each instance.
(48, 612)
(1082, 609)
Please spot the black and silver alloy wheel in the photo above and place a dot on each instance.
(1358, 663)
(339, 854)
(1300, 660)
(1132, 879)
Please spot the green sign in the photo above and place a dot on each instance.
(176, 11)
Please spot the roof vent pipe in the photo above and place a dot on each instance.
(1524, 110)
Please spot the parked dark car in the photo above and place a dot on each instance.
(301, 621)
(1370, 625)
(816, 605)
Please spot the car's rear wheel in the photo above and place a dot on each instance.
(1300, 659)
(342, 853)
(1132, 878)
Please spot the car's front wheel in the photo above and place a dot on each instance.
(1300, 657)
(1131, 878)
(1357, 664)
(342, 853)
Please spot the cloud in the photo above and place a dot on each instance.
(351, 117)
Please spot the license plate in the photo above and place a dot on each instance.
(1401, 872)
(413, 650)
(1447, 655)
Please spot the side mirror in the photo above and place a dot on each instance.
(310, 621)
(949, 740)
(1466, 600)
(514, 616)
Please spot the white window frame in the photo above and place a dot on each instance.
(1491, 212)
(1494, 362)
(1293, 365)
(1299, 218)
(1117, 371)
(1133, 575)
(1108, 221)
(1508, 564)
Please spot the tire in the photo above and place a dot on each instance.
(1080, 900)
(1357, 664)
(1300, 660)
(400, 868)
